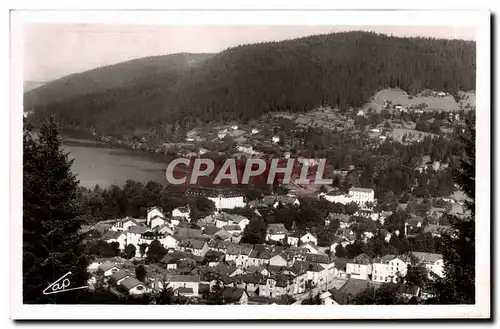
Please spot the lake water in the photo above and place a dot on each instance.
(106, 166)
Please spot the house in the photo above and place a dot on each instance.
(344, 220)
(433, 262)
(170, 242)
(157, 221)
(124, 224)
(276, 232)
(176, 281)
(292, 240)
(153, 212)
(134, 234)
(278, 260)
(259, 257)
(224, 235)
(311, 248)
(133, 286)
(239, 220)
(276, 286)
(326, 299)
(222, 134)
(119, 276)
(209, 231)
(195, 246)
(232, 229)
(255, 131)
(164, 229)
(275, 139)
(389, 268)
(360, 113)
(170, 262)
(360, 267)
(222, 219)
(309, 238)
(108, 268)
(248, 281)
(119, 237)
(182, 212)
(239, 254)
(362, 195)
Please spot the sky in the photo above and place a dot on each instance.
(52, 51)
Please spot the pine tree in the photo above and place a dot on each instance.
(52, 218)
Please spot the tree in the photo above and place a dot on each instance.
(142, 249)
(165, 296)
(417, 274)
(255, 232)
(458, 284)
(155, 252)
(140, 273)
(386, 294)
(215, 295)
(340, 251)
(52, 218)
(130, 251)
(114, 248)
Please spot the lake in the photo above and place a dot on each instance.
(96, 163)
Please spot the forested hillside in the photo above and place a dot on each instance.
(342, 69)
(126, 74)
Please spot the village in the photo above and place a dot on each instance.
(289, 267)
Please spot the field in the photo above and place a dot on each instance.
(323, 117)
(398, 96)
(397, 133)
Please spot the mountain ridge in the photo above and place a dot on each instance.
(244, 82)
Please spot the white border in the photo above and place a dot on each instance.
(479, 19)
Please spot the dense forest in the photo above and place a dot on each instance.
(244, 82)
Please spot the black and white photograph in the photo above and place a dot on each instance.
(285, 164)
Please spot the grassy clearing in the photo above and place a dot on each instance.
(398, 96)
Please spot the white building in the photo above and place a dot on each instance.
(158, 221)
(276, 232)
(227, 202)
(292, 240)
(229, 198)
(433, 262)
(154, 212)
(309, 238)
(124, 224)
(119, 237)
(360, 267)
(182, 212)
(275, 139)
(255, 131)
(389, 268)
(337, 197)
(362, 195)
(134, 286)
